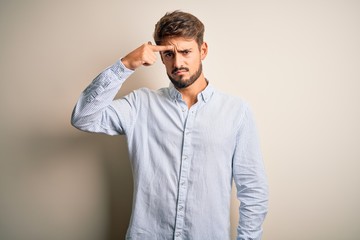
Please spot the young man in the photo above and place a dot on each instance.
(186, 142)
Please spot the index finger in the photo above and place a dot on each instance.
(161, 48)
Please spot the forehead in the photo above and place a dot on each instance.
(180, 43)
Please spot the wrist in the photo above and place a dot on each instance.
(126, 63)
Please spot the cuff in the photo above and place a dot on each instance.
(119, 69)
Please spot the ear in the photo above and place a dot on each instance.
(203, 50)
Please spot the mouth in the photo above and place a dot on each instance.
(180, 71)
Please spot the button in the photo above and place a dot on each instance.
(180, 207)
(178, 234)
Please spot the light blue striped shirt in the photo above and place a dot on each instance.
(183, 160)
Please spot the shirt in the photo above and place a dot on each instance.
(183, 160)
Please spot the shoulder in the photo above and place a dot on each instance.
(146, 95)
(233, 102)
(147, 92)
(235, 108)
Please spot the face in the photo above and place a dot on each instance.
(183, 63)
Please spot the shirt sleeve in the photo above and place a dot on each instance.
(250, 179)
(97, 111)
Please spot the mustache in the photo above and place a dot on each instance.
(178, 69)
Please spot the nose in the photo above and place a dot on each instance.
(178, 61)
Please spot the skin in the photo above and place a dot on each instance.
(182, 59)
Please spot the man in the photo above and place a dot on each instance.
(186, 142)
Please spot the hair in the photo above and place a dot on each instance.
(179, 24)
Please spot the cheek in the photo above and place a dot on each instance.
(195, 64)
(168, 68)
(166, 64)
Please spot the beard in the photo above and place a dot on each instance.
(182, 82)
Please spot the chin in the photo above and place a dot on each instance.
(183, 83)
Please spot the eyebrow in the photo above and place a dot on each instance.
(180, 51)
(167, 51)
(184, 50)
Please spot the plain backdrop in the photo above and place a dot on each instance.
(296, 62)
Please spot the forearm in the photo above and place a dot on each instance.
(253, 196)
(94, 103)
(250, 179)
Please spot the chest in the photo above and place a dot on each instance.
(203, 126)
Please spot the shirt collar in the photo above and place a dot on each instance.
(205, 94)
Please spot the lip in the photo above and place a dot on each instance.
(180, 72)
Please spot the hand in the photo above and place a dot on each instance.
(143, 55)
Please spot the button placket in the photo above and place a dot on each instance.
(184, 169)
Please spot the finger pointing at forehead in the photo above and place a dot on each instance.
(144, 55)
(161, 48)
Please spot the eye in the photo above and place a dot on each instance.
(168, 54)
(185, 52)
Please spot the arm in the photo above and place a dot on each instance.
(250, 179)
(96, 109)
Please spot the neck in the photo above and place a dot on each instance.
(190, 93)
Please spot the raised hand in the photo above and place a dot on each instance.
(144, 55)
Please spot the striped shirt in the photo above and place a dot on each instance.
(183, 160)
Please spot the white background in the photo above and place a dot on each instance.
(296, 62)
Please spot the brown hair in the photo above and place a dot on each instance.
(179, 24)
